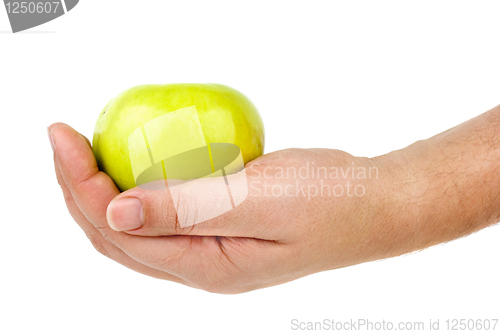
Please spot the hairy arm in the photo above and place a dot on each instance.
(449, 184)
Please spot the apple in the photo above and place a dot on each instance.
(176, 131)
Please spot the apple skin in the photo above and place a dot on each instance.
(226, 116)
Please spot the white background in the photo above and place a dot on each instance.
(366, 77)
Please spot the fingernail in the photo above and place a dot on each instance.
(51, 140)
(125, 214)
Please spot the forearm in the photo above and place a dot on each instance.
(449, 185)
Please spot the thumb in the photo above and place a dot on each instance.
(196, 207)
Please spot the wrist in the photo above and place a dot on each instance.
(380, 224)
(398, 218)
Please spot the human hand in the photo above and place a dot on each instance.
(290, 225)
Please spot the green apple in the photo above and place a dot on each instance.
(161, 131)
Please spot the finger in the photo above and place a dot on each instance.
(102, 245)
(219, 206)
(79, 170)
(92, 190)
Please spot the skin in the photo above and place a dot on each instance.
(433, 191)
(226, 115)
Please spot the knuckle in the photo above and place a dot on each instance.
(165, 215)
(98, 245)
(68, 198)
(59, 179)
